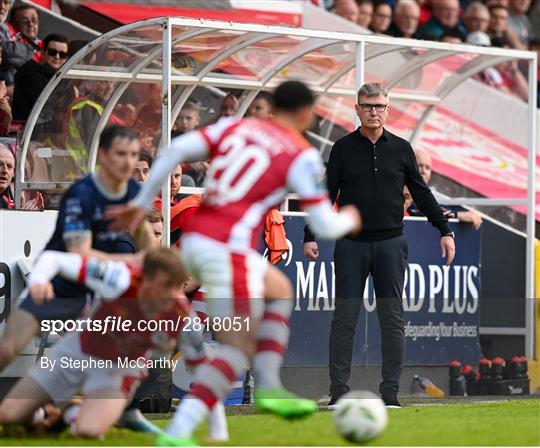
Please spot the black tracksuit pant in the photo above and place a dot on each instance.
(386, 261)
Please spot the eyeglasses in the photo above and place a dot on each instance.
(53, 53)
(378, 107)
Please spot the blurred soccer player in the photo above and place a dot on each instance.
(127, 292)
(81, 228)
(253, 165)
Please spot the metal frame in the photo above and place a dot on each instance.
(120, 89)
(367, 47)
(166, 129)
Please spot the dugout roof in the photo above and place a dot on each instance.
(142, 74)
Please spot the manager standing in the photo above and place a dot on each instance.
(369, 168)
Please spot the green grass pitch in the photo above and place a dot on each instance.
(502, 423)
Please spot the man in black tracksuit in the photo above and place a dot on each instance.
(369, 168)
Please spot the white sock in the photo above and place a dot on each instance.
(272, 338)
(188, 416)
(218, 423)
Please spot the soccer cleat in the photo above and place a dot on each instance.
(283, 403)
(134, 419)
(164, 439)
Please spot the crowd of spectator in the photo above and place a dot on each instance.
(27, 63)
(498, 23)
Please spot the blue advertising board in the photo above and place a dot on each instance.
(441, 302)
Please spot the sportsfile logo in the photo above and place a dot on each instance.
(118, 324)
(112, 324)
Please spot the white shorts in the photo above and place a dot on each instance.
(68, 378)
(234, 282)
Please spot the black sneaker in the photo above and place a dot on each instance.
(391, 401)
(334, 399)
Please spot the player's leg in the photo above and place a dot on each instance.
(272, 337)
(97, 414)
(220, 273)
(21, 327)
(106, 393)
(273, 329)
(21, 402)
(23, 323)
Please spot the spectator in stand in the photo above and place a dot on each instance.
(142, 167)
(148, 144)
(451, 37)
(498, 22)
(261, 106)
(32, 77)
(26, 45)
(80, 124)
(7, 171)
(155, 218)
(511, 79)
(445, 19)
(476, 17)
(518, 21)
(382, 18)
(406, 17)
(7, 32)
(499, 28)
(348, 9)
(176, 183)
(425, 166)
(229, 106)
(188, 119)
(365, 13)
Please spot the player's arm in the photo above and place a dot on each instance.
(74, 219)
(305, 177)
(81, 244)
(189, 147)
(107, 278)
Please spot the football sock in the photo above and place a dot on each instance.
(212, 384)
(218, 423)
(272, 339)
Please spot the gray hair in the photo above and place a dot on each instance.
(402, 3)
(476, 6)
(372, 89)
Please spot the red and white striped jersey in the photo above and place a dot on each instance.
(253, 165)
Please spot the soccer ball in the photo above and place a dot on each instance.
(360, 416)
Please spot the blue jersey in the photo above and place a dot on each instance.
(81, 212)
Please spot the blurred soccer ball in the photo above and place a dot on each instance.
(360, 416)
